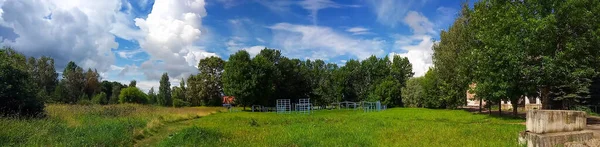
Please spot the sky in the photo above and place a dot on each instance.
(141, 39)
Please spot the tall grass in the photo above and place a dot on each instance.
(393, 127)
(78, 125)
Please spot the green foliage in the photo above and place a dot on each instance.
(208, 84)
(17, 92)
(100, 98)
(133, 95)
(236, 78)
(133, 83)
(164, 91)
(431, 97)
(180, 103)
(389, 93)
(413, 93)
(152, 97)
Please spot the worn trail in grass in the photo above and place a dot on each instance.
(394, 127)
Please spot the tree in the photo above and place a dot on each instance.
(92, 83)
(452, 61)
(431, 97)
(401, 69)
(412, 93)
(16, 88)
(100, 99)
(389, 93)
(209, 80)
(132, 83)
(164, 91)
(74, 82)
(152, 98)
(237, 78)
(132, 95)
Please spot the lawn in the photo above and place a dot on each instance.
(393, 127)
(141, 125)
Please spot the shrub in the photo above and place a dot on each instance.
(100, 99)
(180, 103)
(85, 102)
(132, 95)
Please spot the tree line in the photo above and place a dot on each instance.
(512, 49)
(29, 83)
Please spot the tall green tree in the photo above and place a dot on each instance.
(237, 78)
(452, 59)
(209, 80)
(164, 91)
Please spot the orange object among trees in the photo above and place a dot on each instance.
(228, 99)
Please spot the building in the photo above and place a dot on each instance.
(525, 102)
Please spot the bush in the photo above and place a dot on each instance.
(17, 94)
(84, 102)
(180, 103)
(132, 95)
(100, 99)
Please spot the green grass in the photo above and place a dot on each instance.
(142, 125)
(393, 127)
(76, 125)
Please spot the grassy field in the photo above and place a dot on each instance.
(393, 127)
(139, 125)
(115, 125)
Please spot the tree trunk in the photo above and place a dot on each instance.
(489, 107)
(480, 105)
(515, 107)
(545, 97)
(500, 108)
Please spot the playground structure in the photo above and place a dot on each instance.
(346, 104)
(303, 106)
(258, 108)
(283, 106)
(372, 106)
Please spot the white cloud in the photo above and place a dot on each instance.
(416, 47)
(171, 31)
(321, 42)
(260, 40)
(129, 54)
(65, 30)
(358, 31)
(312, 6)
(418, 23)
(392, 12)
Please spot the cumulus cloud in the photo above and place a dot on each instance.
(322, 42)
(416, 47)
(65, 30)
(170, 33)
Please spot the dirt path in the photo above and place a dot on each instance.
(164, 131)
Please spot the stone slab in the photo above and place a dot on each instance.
(553, 139)
(552, 121)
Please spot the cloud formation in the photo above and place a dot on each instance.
(65, 30)
(393, 12)
(416, 47)
(308, 41)
(170, 33)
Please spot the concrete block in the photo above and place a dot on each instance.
(551, 121)
(553, 139)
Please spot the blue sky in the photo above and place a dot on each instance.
(140, 39)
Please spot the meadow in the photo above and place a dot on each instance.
(95, 125)
(142, 125)
(393, 127)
